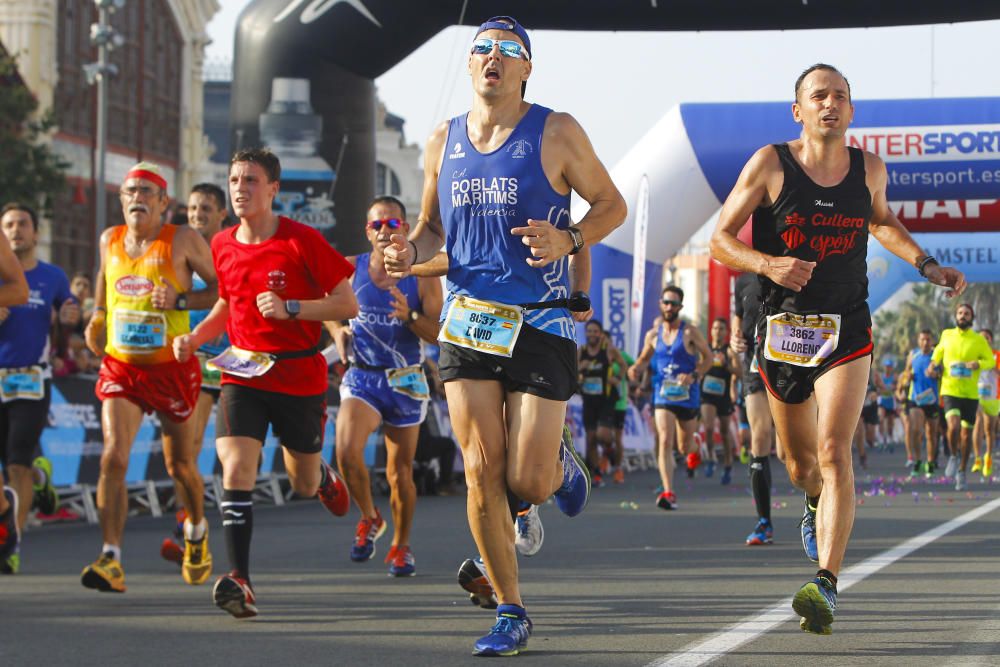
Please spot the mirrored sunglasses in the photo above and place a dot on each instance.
(508, 47)
(671, 302)
(391, 223)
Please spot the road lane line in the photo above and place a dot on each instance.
(738, 634)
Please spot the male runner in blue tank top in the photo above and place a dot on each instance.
(25, 372)
(678, 357)
(925, 413)
(385, 384)
(497, 196)
(814, 201)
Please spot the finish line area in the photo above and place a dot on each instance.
(624, 583)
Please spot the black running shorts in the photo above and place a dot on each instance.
(683, 414)
(966, 408)
(869, 413)
(795, 384)
(298, 421)
(543, 365)
(620, 419)
(598, 411)
(752, 382)
(21, 426)
(723, 404)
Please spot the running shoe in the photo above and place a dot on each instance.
(618, 476)
(334, 494)
(929, 469)
(693, 461)
(987, 466)
(666, 501)
(233, 593)
(473, 578)
(709, 468)
(808, 526)
(596, 481)
(10, 534)
(917, 468)
(574, 493)
(105, 575)
(401, 561)
(815, 603)
(960, 484)
(910, 463)
(744, 455)
(508, 636)
(368, 531)
(46, 498)
(11, 564)
(763, 533)
(727, 476)
(197, 564)
(171, 551)
(529, 533)
(952, 467)
(977, 465)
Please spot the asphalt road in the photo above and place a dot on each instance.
(623, 584)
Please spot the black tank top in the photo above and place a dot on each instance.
(828, 226)
(596, 373)
(718, 370)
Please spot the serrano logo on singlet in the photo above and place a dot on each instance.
(133, 286)
(457, 152)
(520, 149)
(485, 196)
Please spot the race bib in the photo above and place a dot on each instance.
(926, 397)
(242, 363)
(592, 386)
(409, 381)
(958, 370)
(801, 340)
(675, 392)
(139, 331)
(22, 384)
(210, 377)
(713, 385)
(987, 385)
(482, 325)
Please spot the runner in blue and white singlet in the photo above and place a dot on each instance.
(385, 384)
(497, 183)
(924, 410)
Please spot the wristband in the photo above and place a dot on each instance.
(922, 264)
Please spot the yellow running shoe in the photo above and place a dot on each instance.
(978, 465)
(104, 574)
(988, 466)
(197, 565)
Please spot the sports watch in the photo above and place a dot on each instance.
(577, 237)
(293, 307)
(182, 302)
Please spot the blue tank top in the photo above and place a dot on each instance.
(218, 345)
(24, 335)
(379, 338)
(669, 362)
(923, 390)
(482, 196)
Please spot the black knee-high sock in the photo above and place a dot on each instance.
(760, 482)
(237, 522)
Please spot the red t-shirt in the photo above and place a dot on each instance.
(295, 263)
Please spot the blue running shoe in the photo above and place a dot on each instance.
(709, 468)
(727, 476)
(815, 603)
(763, 533)
(509, 636)
(808, 526)
(573, 495)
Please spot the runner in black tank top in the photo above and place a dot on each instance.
(599, 392)
(813, 201)
(717, 401)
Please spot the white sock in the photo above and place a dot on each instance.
(114, 550)
(194, 532)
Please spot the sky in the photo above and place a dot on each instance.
(618, 85)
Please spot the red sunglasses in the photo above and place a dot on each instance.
(391, 223)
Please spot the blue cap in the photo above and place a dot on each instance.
(510, 24)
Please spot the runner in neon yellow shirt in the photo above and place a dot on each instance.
(959, 358)
(989, 409)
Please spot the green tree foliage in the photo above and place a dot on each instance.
(30, 171)
(895, 331)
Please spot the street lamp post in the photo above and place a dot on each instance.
(105, 38)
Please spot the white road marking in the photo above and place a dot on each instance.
(721, 643)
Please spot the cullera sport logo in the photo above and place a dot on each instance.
(133, 286)
(931, 143)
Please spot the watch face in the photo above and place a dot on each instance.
(292, 306)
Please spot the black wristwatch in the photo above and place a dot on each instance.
(293, 307)
(577, 237)
(412, 317)
(182, 302)
(922, 264)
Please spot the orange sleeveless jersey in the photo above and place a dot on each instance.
(138, 333)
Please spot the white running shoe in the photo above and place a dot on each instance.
(951, 468)
(960, 484)
(530, 533)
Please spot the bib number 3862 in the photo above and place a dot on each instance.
(801, 340)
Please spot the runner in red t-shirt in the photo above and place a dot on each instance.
(278, 280)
